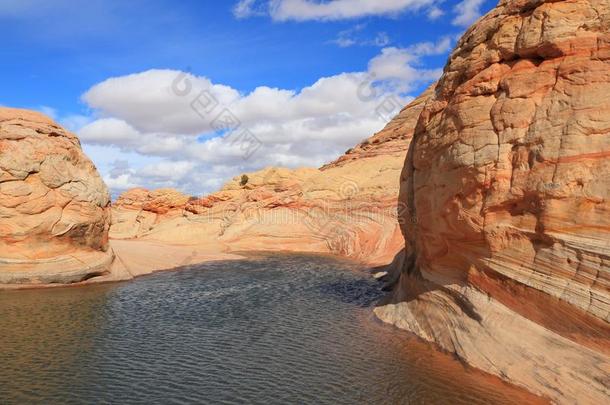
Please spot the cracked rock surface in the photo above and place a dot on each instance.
(54, 206)
(506, 188)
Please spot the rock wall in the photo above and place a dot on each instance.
(347, 207)
(507, 219)
(54, 206)
(138, 210)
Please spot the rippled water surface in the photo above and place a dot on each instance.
(272, 329)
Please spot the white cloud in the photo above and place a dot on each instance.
(148, 101)
(120, 183)
(109, 131)
(48, 111)
(119, 133)
(167, 171)
(467, 12)
(248, 8)
(399, 67)
(303, 10)
(74, 122)
(435, 12)
(440, 47)
(382, 39)
(143, 115)
(346, 38)
(352, 37)
(122, 174)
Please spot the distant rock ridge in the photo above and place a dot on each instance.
(138, 210)
(393, 140)
(161, 201)
(54, 206)
(347, 207)
(507, 202)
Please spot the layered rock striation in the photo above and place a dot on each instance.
(392, 141)
(347, 207)
(138, 210)
(54, 206)
(506, 194)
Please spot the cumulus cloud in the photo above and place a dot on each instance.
(121, 175)
(167, 171)
(149, 101)
(119, 183)
(467, 12)
(199, 133)
(119, 133)
(188, 176)
(109, 131)
(399, 68)
(303, 10)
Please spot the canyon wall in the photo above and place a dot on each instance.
(506, 188)
(54, 206)
(348, 207)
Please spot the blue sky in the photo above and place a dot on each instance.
(290, 70)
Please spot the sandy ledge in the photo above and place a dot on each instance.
(134, 258)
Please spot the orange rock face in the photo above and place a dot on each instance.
(138, 210)
(54, 206)
(506, 200)
(346, 208)
(509, 168)
(161, 201)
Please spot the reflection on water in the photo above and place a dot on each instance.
(272, 329)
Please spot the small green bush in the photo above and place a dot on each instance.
(244, 180)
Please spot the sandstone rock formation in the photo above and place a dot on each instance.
(392, 141)
(348, 207)
(54, 207)
(138, 210)
(506, 190)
